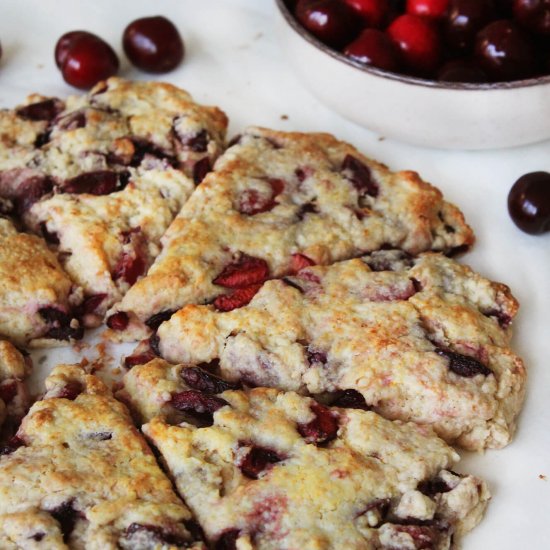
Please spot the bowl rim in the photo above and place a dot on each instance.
(406, 79)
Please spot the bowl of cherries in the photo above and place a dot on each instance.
(453, 74)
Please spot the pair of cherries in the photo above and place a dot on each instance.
(152, 44)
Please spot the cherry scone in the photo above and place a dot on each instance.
(78, 474)
(39, 304)
(106, 175)
(15, 367)
(423, 339)
(265, 470)
(274, 203)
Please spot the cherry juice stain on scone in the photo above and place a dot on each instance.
(422, 339)
(38, 301)
(283, 200)
(105, 176)
(79, 475)
(263, 469)
(14, 396)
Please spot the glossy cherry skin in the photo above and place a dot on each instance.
(505, 52)
(89, 60)
(534, 15)
(428, 8)
(66, 42)
(419, 42)
(464, 19)
(374, 47)
(529, 203)
(461, 70)
(333, 22)
(374, 13)
(153, 44)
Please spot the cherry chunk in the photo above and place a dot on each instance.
(360, 176)
(464, 366)
(322, 429)
(257, 460)
(244, 272)
(201, 380)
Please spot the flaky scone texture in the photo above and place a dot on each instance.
(278, 471)
(427, 342)
(106, 174)
(79, 475)
(273, 195)
(33, 290)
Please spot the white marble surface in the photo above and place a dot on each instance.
(233, 61)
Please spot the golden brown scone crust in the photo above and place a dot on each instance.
(391, 335)
(151, 137)
(31, 279)
(83, 477)
(317, 202)
(257, 480)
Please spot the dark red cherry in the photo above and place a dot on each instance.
(428, 8)
(464, 19)
(153, 44)
(419, 41)
(461, 70)
(374, 47)
(65, 43)
(89, 60)
(504, 51)
(529, 203)
(372, 12)
(331, 21)
(534, 15)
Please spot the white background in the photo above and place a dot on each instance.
(233, 60)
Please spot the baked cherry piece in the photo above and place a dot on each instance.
(419, 42)
(374, 47)
(529, 203)
(534, 15)
(428, 8)
(374, 13)
(66, 42)
(153, 44)
(505, 52)
(331, 21)
(461, 70)
(88, 60)
(464, 19)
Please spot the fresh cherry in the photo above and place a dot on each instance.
(88, 60)
(504, 51)
(373, 13)
(428, 8)
(461, 70)
(66, 42)
(153, 44)
(331, 21)
(419, 42)
(529, 203)
(534, 15)
(374, 47)
(464, 19)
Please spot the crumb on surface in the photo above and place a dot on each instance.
(543, 477)
(284, 117)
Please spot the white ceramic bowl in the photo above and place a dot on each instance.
(422, 112)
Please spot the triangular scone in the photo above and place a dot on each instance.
(285, 200)
(79, 475)
(266, 469)
(37, 298)
(14, 396)
(427, 342)
(111, 170)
